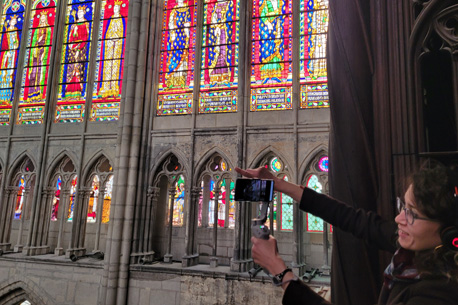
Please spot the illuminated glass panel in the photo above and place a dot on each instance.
(107, 200)
(20, 199)
(93, 200)
(275, 164)
(37, 62)
(56, 200)
(74, 62)
(313, 70)
(71, 201)
(231, 205)
(177, 57)
(323, 164)
(286, 212)
(178, 204)
(271, 70)
(11, 34)
(314, 224)
(110, 61)
(219, 80)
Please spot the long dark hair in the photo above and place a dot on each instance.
(434, 189)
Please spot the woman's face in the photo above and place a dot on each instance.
(422, 234)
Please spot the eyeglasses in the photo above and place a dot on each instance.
(410, 215)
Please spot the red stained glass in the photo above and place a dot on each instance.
(37, 62)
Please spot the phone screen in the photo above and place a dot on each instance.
(254, 190)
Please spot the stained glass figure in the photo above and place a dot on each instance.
(20, 198)
(56, 200)
(74, 62)
(93, 200)
(107, 200)
(177, 57)
(313, 70)
(271, 70)
(71, 203)
(11, 34)
(219, 81)
(110, 61)
(178, 205)
(37, 62)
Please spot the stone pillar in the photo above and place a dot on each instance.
(98, 219)
(191, 256)
(298, 263)
(168, 256)
(214, 258)
(241, 260)
(5, 225)
(62, 216)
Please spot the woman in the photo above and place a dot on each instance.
(422, 270)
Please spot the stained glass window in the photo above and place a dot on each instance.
(323, 164)
(11, 34)
(219, 80)
(271, 69)
(178, 204)
(20, 198)
(313, 70)
(71, 203)
(56, 200)
(93, 200)
(75, 62)
(177, 57)
(37, 62)
(314, 224)
(110, 60)
(107, 200)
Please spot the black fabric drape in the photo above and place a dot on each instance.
(356, 277)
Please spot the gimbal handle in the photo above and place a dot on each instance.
(258, 227)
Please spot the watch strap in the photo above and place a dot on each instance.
(278, 279)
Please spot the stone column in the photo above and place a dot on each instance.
(153, 197)
(168, 256)
(214, 258)
(298, 263)
(5, 225)
(62, 215)
(98, 219)
(241, 260)
(191, 256)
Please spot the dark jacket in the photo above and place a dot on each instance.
(376, 232)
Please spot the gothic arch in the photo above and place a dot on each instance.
(56, 162)
(156, 168)
(271, 151)
(320, 149)
(17, 164)
(16, 290)
(206, 157)
(88, 171)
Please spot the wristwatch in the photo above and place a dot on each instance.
(277, 280)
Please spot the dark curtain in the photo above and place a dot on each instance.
(356, 277)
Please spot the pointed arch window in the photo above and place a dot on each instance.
(24, 182)
(37, 62)
(11, 37)
(178, 202)
(316, 179)
(176, 78)
(219, 74)
(271, 59)
(72, 198)
(313, 69)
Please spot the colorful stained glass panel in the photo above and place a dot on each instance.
(37, 62)
(313, 69)
(219, 79)
(177, 57)
(110, 61)
(11, 33)
(74, 62)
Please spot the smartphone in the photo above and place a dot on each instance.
(254, 190)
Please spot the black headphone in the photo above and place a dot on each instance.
(449, 234)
